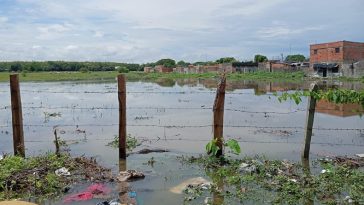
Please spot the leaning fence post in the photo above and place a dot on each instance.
(219, 114)
(309, 122)
(122, 116)
(17, 116)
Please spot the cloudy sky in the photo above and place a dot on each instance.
(147, 30)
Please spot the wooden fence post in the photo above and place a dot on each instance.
(309, 122)
(17, 116)
(219, 115)
(122, 116)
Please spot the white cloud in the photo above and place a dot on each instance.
(71, 47)
(284, 31)
(54, 28)
(36, 47)
(144, 30)
(98, 34)
(3, 19)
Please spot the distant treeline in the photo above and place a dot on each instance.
(65, 66)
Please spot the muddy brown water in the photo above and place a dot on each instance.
(176, 116)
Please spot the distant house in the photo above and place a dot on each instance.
(227, 68)
(163, 69)
(275, 65)
(245, 67)
(148, 69)
(341, 58)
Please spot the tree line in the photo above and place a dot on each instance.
(37, 66)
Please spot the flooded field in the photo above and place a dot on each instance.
(176, 116)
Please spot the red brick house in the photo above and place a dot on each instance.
(341, 58)
(163, 69)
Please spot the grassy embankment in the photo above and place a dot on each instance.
(107, 75)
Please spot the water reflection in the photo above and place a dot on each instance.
(340, 110)
(89, 121)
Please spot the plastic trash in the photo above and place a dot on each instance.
(62, 172)
(132, 194)
(208, 200)
(360, 155)
(249, 168)
(112, 202)
(1, 157)
(325, 171)
(348, 199)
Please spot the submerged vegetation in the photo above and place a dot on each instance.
(37, 177)
(329, 181)
(131, 142)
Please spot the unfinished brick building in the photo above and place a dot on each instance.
(342, 58)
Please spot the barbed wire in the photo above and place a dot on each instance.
(190, 126)
(173, 108)
(162, 139)
(143, 92)
(156, 108)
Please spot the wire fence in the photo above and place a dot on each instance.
(177, 126)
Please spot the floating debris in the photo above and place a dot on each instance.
(189, 183)
(130, 175)
(360, 155)
(112, 202)
(147, 151)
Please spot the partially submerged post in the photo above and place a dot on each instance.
(309, 122)
(122, 116)
(219, 114)
(56, 142)
(17, 116)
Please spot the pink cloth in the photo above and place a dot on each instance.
(95, 189)
(83, 196)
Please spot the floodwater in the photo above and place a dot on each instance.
(177, 116)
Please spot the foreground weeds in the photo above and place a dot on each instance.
(259, 180)
(35, 176)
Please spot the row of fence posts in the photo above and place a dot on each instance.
(218, 117)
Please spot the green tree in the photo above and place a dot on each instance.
(260, 58)
(123, 69)
(295, 58)
(16, 67)
(226, 60)
(167, 62)
(182, 63)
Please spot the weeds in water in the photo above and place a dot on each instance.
(131, 142)
(281, 182)
(212, 147)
